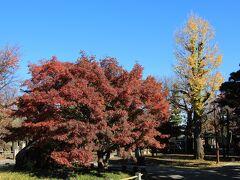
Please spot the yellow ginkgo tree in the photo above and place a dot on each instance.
(198, 60)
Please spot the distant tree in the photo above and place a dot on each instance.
(171, 127)
(8, 96)
(214, 125)
(76, 109)
(176, 112)
(180, 103)
(169, 84)
(9, 60)
(196, 69)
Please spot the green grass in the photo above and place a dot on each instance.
(15, 175)
(115, 175)
(9, 175)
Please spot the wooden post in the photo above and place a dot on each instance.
(139, 176)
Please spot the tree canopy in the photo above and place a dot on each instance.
(90, 106)
(231, 92)
(197, 62)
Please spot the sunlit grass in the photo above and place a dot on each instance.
(16, 176)
(108, 175)
(186, 161)
(8, 175)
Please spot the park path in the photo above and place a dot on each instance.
(167, 172)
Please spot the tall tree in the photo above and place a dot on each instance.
(230, 92)
(229, 100)
(79, 108)
(197, 63)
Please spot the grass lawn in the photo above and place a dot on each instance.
(11, 175)
(186, 161)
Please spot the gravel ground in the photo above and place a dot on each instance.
(6, 162)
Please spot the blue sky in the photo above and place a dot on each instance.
(131, 30)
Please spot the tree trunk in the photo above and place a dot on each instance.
(223, 142)
(228, 133)
(103, 159)
(217, 150)
(198, 144)
(198, 149)
(100, 155)
(106, 160)
(189, 123)
(216, 135)
(188, 133)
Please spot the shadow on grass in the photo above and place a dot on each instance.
(186, 160)
(63, 173)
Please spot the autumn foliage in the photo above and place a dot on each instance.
(198, 60)
(88, 106)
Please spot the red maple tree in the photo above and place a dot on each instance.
(89, 106)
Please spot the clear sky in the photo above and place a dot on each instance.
(131, 30)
